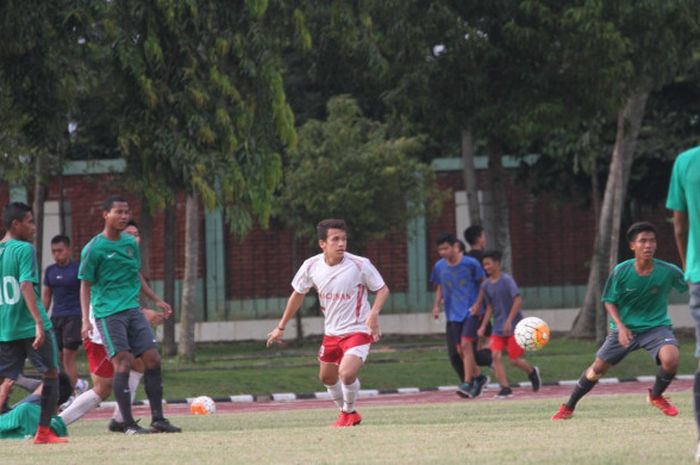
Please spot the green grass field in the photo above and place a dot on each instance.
(620, 430)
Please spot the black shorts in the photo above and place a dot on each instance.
(126, 331)
(455, 330)
(14, 353)
(67, 330)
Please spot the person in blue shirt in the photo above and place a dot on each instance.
(62, 287)
(457, 279)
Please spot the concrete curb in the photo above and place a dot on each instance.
(323, 395)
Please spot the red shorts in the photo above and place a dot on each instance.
(334, 347)
(498, 343)
(97, 359)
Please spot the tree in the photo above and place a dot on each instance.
(204, 110)
(655, 57)
(349, 167)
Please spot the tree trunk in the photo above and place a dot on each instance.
(38, 209)
(469, 172)
(185, 347)
(592, 318)
(146, 233)
(497, 224)
(169, 347)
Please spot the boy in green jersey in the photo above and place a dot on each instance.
(111, 282)
(636, 299)
(684, 200)
(25, 330)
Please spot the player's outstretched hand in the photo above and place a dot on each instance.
(153, 317)
(167, 309)
(624, 335)
(39, 337)
(373, 326)
(85, 329)
(275, 337)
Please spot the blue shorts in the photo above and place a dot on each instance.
(471, 327)
(126, 331)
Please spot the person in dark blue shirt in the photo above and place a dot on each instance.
(62, 287)
(457, 279)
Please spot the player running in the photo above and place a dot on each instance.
(350, 324)
(636, 298)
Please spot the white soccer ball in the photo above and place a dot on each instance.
(532, 333)
(203, 405)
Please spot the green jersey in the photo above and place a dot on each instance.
(642, 301)
(684, 196)
(22, 422)
(18, 265)
(112, 268)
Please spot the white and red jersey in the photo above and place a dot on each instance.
(342, 291)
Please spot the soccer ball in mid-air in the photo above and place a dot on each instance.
(203, 405)
(532, 333)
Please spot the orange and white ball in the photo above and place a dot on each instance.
(203, 405)
(532, 333)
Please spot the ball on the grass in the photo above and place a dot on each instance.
(203, 405)
(532, 333)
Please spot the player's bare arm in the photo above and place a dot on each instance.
(27, 289)
(86, 327)
(624, 335)
(293, 304)
(147, 292)
(481, 332)
(680, 232)
(479, 302)
(373, 318)
(46, 296)
(437, 301)
(508, 324)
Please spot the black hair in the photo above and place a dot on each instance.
(65, 388)
(132, 223)
(111, 200)
(324, 225)
(14, 211)
(639, 227)
(472, 233)
(61, 239)
(462, 246)
(494, 255)
(446, 238)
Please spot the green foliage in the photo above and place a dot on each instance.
(204, 107)
(349, 167)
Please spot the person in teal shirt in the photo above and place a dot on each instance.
(25, 330)
(684, 200)
(22, 421)
(636, 299)
(111, 282)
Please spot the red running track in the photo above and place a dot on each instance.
(430, 397)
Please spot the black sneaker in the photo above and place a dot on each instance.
(115, 426)
(477, 386)
(134, 428)
(164, 426)
(504, 393)
(535, 379)
(463, 390)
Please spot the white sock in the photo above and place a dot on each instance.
(350, 392)
(336, 393)
(134, 380)
(82, 404)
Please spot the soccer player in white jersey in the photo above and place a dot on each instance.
(342, 281)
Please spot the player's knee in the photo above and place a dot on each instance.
(103, 389)
(328, 379)
(347, 377)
